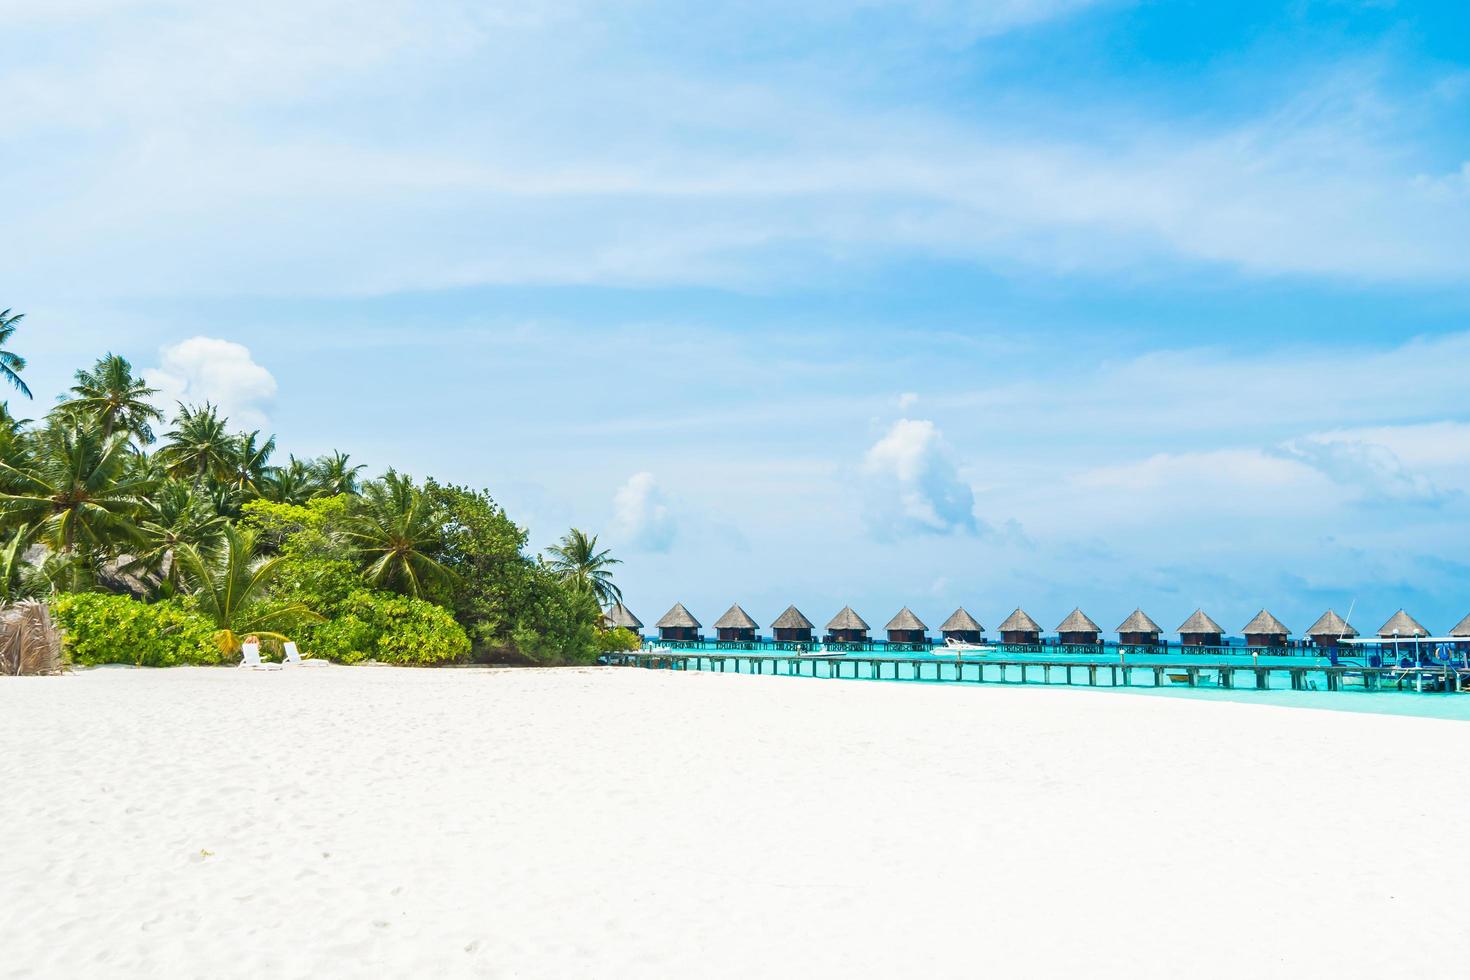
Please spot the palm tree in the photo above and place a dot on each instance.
(230, 586)
(110, 394)
(11, 364)
(294, 483)
(394, 527)
(77, 489)
(177, 515)
(575, 559)
(250, 464)
(200, 446)
(334, 476)
(17, 578)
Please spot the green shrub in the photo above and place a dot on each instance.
(117, 629)
(617, 639)
(393, 629)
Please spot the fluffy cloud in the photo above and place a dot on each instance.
(641, 517)
(1369, 467)
(207, 369)
(911, 485)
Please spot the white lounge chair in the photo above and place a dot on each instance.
(250, 658)
(294, 658)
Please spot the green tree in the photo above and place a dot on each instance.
(200, 446)
(177, 515)
(11, 363)
(396, 531)
(334, 476)
(250, 463)
(294, 483)
(118, 401)
(231, 587)
(576, 560)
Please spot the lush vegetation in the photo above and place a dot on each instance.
(167, 540)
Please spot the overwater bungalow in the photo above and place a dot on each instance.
(1266, 631)
(1078, 630)
(905, 627)
(962, 627)
(792, 627)
(1200, 630)
(1020, 629)
(736, 626)
(619, 616)
(1139, 631)
(1462, 633)
(1330, 630)
(678, 624)
(1401, 626)
(847, 627)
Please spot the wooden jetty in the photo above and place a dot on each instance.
(1082, 673)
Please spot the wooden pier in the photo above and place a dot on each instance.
(1084, 673)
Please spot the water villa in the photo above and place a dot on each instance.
(1266, 631)
(964, 628)
(792, 627)
(1328, 631)
(1019, 629)
(1462, 632)
(1200, 630)
(1078, 630)
(847, 627)
(905, 627)
(678, 625)
(1401, 626)
(1139, 631)
(620, 617)
(736, 626)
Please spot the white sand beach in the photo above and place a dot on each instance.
(601, 822)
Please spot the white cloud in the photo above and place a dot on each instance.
(907, 400)
(1368, 466)
(911, 485)
(221, 372)
(641, 517)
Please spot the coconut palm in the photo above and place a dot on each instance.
(11, 364)
(394, 528)
(250, 463)
(119, 401)
(77, 489)
(294, 483)
(178, 514)
(17, 577)
(230, 586)
(334, 476)
(200, 446)
(575, 559)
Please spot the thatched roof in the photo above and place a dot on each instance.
(1402, 624)
(847, 620)
(959, 621)
(621, 615)
(1331, 624)
(736, 618)
(1077, 622)
(905, 620)
(1019, 622)
(29, 642)
(1463, 629)
(1200, 623)
(677, 618)
(792, 619)
(1139, 623)
(1265, 624)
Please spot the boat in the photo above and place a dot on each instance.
(958, 648)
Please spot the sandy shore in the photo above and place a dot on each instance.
(376, 822)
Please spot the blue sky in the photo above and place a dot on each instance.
(1036, 302)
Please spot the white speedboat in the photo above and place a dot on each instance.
(956, 648)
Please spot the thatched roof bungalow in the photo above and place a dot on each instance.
(1139, 631)
(736, 626)
(1330, 629)
(620, 616)
(1401, 626)
(1200, 630)
(678, 624)
(847, 627)
(1078, 630)
(792, 627)
(1265, 630)
(962, 627)
(1462, 632)
(1020, 629)
(905, 627)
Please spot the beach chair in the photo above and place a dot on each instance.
(294, 658)
(250, 658)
